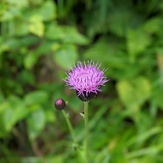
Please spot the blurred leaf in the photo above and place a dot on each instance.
(110, 52)
(31, 159)
(21, 28)
(135, 92)
(36, 2)
(30, 60)
(2, 8)
(137, 41)
(14, 112)
(36, 123)
(66, 56)
(54, 32)
(113, 57)
(25, 77)
(10, 14)
(48, 10)
(44, 48)
(157, 97)
(144, 137)
(50, 115)
(121, 18)
(58, 159)
(36, 25)
(6, 116)
(12, 44)
(20, 4)
(153, 26)
(65, 34)
(73, 36)
(102, 156)
(153, 150)
(36, 97)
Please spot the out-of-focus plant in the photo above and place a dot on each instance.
(39, 38)
(34, 47)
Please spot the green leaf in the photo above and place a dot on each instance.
(54, 32)
(19, 4)
(36, 2)
(153, 26)
(58, 159)
(151, 150)
(7, 115)
(9, 15)
(21, 28)
(65, 34)
(48, 10)
(36, 97)
(66, 56)
(73, 36)
(137, 42)
(36, 123)
(14, 112)
(50, 116)
(102, 156)
(108, 52)
(135, 92)
(30, 60)
(3, 7)
(157, 96)
(121, 18)
(36, 25)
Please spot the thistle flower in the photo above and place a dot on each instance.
(60, 104)
(86, 79)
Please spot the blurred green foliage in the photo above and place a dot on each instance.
(41, 39)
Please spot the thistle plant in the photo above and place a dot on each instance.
(86, 79)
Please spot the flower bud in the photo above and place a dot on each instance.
(60, 104)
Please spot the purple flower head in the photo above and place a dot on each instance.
(86, 79)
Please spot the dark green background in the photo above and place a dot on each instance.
(41, 39)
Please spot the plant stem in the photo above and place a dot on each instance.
(70, 126)
(86, 131)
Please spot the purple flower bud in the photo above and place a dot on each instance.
(60, 104)
(86, 79)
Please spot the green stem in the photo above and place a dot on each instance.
(70, 126)
(86, 131)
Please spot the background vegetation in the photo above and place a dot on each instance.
(41, 39)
